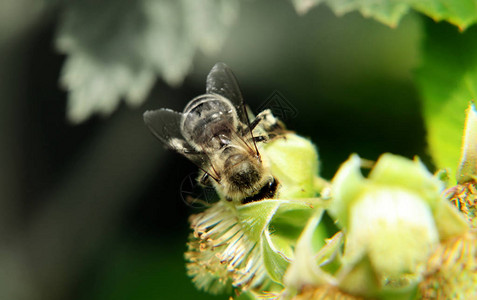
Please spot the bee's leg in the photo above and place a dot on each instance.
(255, 122)
(265, 115)
(268, 121)
(204, 179)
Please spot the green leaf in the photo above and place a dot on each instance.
(116, 48)
(447, 82)
(460, 13)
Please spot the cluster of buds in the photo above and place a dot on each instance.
(392, 222)
(400, 233)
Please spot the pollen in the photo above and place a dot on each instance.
(464, 197)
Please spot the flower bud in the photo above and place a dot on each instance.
(395, 217)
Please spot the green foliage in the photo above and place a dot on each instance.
(447, 81)
(460, 13)
(116, 48)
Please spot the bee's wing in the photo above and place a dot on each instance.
(165, 125)
(221, 80)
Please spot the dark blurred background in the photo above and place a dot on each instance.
(93, 211)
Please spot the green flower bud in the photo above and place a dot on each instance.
(293, 160)
(395, 217)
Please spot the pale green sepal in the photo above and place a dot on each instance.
(468, 162)
(295, 212)
(305, 269)
(284, 244)
(288, 222)
(393, 170)
(275, 262)
(449, 221)
(255, 216)
(359, 278)
(347, 184)
(278, 239)
(331, 251)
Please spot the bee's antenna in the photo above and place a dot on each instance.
(213, 177)
(250, 129)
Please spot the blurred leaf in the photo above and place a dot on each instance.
(116, 48)
(460, 13)
(447, 80)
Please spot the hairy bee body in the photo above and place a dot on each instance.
(257, 168)
(214, 132)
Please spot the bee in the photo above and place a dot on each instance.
(214, 131)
